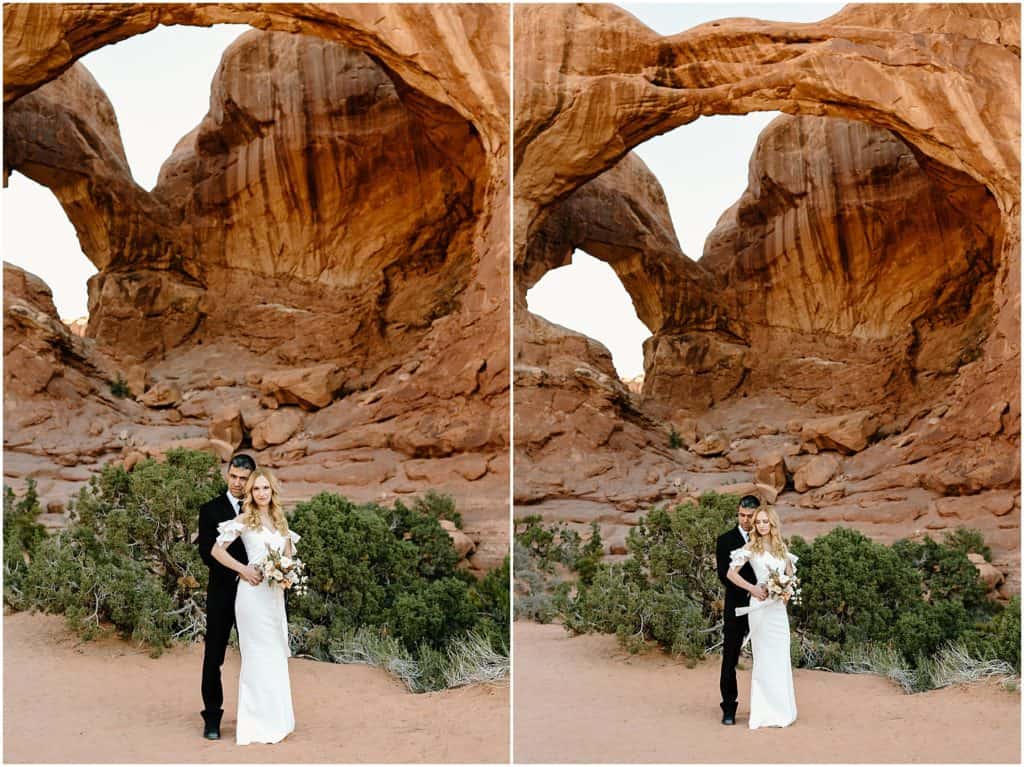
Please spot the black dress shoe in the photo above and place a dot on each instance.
(728, 719)
(211, 724)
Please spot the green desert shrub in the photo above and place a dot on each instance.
(968, 541)
(126, 558)
(551, 559)
(621, 601)
(22, 537)
(914, 597)
(997, 638)
(590, 555)
(668, 590)
(119, 387)
(854, 590)
(491, 599)
(539, 595)
(548, 544)
(946, 574)
(677, 546)
(437, 505)
(391, 572)
(675, 439)
(373, 566)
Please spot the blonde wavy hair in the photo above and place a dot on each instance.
(251, 514)
(772, 542)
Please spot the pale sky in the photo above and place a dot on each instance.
(159, 84)
(701, 166)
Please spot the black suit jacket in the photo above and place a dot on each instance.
(734, 595)
(211, 514)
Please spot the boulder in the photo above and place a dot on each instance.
(712, 444)
(848, 433)
(991, 575)
(771, 471)
(816, 472)
(226, 425)
(310, 388)
(463, 543)
(161, 394)
(277, 428)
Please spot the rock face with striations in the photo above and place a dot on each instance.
(851, 335)
(320, 273)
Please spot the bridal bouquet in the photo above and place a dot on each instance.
(286, 572)
(779, 584)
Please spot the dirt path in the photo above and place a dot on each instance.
(582, 699)
(108, 701)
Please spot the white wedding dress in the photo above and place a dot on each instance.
(772, 699)
(264, 692)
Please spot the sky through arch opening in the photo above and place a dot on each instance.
(588, 297)
(159, 85)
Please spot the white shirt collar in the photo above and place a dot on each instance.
(745, 534)
(235, 503)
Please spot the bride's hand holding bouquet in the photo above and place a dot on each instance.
(783, 587)
(284, 571)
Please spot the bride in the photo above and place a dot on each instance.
(772, 700)
(264, 692)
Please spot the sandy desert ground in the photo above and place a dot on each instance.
(583, 699)
(108, 701)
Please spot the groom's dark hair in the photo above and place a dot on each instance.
(750, 502)
(244, 462)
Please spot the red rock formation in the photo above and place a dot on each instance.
(298, 127)
(871, 267)
(842, 235)
(333, 235)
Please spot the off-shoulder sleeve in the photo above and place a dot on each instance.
(228, 531)
(792, 558)
(294, 537)
(739, 557)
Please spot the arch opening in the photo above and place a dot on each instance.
(856, 265)
(602, 311)
(316, 177)
(157, 84)
(39, 238)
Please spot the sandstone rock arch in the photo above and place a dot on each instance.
(453, 59)
(44, 41)
(393, 319)
(621, 217)
(937, 89)
(609, 83)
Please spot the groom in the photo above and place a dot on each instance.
(220, 594)
(735, 627)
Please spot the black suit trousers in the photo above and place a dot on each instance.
(736, 628)
(220, 617)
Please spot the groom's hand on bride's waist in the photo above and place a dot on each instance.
(759, 593)
(251, 575)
